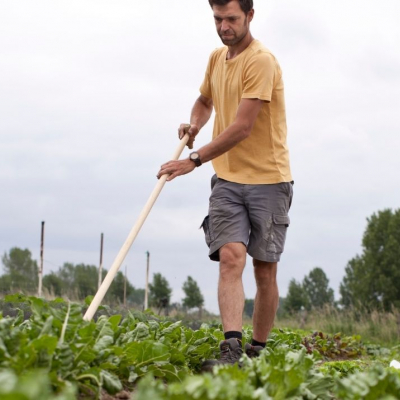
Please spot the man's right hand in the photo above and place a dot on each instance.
(192, 130)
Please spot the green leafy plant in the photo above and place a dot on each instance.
(47, 351)
(32, 386)
(279, 373)
(375, 383)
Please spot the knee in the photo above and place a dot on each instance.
(265, 274)
(232, 260)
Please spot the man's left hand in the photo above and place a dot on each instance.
(176, 168)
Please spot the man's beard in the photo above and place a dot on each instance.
(232, 42)
(235, 39)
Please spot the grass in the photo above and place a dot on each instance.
(376, 327)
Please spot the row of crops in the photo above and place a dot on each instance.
(48, 352)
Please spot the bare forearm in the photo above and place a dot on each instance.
(239, 130)
(201, 113)
(228, 139)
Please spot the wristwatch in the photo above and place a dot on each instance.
(195, 157)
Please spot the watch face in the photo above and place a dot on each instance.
(195, 158)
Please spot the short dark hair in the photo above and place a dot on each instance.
(245, 5)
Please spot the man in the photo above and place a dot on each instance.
(252, 190)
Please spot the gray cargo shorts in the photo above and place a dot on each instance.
(255, 215)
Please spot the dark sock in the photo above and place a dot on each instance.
(233, 334)
(255, 343)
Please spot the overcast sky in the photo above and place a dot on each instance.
(92, 93)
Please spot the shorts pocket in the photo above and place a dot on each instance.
(276, 233)
(207, 230)
(281, 219)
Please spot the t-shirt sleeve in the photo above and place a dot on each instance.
(259, 76)
(205, 88)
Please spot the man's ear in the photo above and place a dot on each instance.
(250, 14)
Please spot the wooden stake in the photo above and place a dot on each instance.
(131, 237)
(125, 288)
(101, 262)
(40, 272)
(146, 290)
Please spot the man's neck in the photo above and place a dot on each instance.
(234, 51)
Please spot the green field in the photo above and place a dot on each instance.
(48, 352)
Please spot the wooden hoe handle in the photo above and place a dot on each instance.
(131, 237)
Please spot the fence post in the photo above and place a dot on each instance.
(146, 291)
(40, 272)
(125, 288)
(101, 261)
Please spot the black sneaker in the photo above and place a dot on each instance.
(252, 351)
(231, 351)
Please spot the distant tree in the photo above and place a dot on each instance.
(67, 275)
(86, 280)
(136, 297)
(316, 287)
(21, 272)
(73, 281)
(5, 284)
(372, 279)
(81, 280)
(296, 298)
(53, 283)
(193, 297)
(159, 291)
(348, 298)
(249, 307)
(281, 307)
(116, 291)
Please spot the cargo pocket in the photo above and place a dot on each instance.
(276, 233)
(207, 230)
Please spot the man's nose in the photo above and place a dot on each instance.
(224, 26)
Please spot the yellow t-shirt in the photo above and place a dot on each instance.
(263, 157)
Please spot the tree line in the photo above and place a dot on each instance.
(371, 280)
(78, 281)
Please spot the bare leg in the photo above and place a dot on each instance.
(267, 299)
(230, 286)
